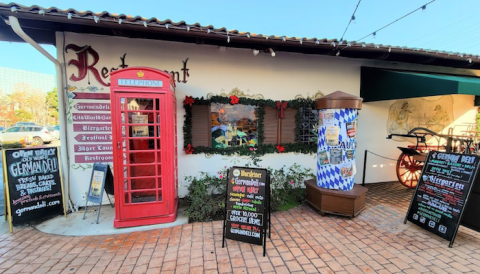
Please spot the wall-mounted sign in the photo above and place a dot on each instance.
(140, 83)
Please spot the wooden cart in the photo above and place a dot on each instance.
(410, 162)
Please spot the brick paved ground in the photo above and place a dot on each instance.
(302, 241)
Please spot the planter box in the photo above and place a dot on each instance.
(345, 203)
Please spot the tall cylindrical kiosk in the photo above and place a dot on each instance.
(337, 140)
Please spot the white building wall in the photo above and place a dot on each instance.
(216, 70)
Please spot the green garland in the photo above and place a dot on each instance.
(260, 112)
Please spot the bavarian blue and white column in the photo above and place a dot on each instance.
(337, 140)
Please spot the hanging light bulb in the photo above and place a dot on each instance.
(353, 19)
(424, 7)
(228, 38)
(374, 34)
(256, 52)
(272, 52)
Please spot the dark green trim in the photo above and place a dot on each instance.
(379, 84)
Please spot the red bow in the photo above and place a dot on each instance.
(188, 100)
(189, 149)
(281, 106)
(280, 148)
(234, 100)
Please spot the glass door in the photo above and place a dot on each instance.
(140, 154)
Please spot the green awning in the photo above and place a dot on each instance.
(381, 84)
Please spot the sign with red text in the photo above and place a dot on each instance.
(92, 106)
(246, 207)
(91, 117)
(92, 127)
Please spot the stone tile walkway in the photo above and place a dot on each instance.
(302, 241)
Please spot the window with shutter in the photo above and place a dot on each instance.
(218, 125)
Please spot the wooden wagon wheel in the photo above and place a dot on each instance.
(408, 170)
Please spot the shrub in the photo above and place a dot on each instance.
(287, 186)
(207, 193)
(206, 197)
(7, 145)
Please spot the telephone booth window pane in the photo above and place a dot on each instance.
(143, 183)
(127, 198)
(123, 117)
(141, 144)
(142, 157)
(233, 126)
(125, 184)
(157, 104)
(142, 170)
(122, 103)
(159, 170)
(124, 131)
(143, 196)
(140, 104)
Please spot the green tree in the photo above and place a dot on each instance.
(22, 115)
(51, 103)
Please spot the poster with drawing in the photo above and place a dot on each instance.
(336, 156)
(323, 158)
(433, 113)
(328, 117)
(332, 133)
(352, 129)
(139, 131)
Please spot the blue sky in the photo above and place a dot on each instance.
(450, 25)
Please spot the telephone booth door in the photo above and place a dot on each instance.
(144, 132)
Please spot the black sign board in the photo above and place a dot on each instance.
(34, 185)
(101, 179)
(247, 205)
(442, 192)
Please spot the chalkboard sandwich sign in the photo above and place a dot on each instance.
(443, 192)
(247, 206)
(33, 184)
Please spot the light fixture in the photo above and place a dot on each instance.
(145, 23)
(228, 38)
(255, 52)
(69, 15)
(42, 12)
(119, 21)
(96, 19)
(272, 52)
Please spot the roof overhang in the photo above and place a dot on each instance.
(42, 23)
(381, 84)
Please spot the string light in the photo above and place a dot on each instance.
(375, 32)
(351, 19)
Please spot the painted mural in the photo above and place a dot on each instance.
(405, 115)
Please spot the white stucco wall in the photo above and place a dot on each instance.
(216, 70)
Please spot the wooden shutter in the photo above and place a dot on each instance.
(288, 126)
(201, 121)
(270, 125)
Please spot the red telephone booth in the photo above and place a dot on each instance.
(144, 136)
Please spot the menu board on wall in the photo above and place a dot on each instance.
(247, 205)
(33, 182)
(442, 192)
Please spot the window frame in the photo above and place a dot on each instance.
(259, 105)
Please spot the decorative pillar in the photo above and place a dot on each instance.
(337, 140)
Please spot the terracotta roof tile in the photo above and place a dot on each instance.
(167, 23)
